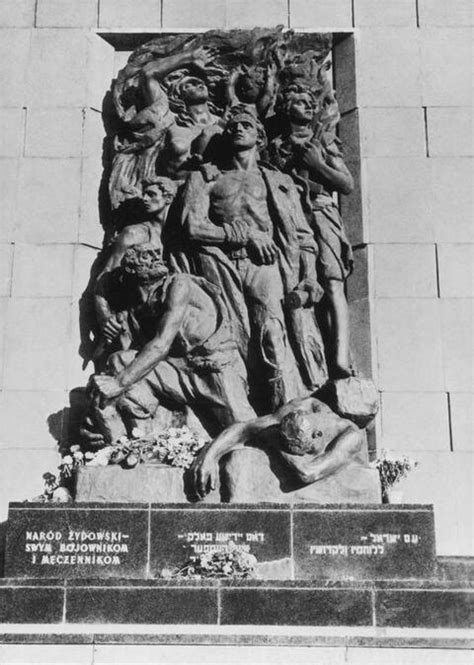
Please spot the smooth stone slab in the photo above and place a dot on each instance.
(33, 604)
(145, 483)
(155, 605)
(297, 607)
(53, 541)
(252, 476)
(371, 542)
(185, 533)
(425, 608)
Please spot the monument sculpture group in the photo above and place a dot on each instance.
(226, 257)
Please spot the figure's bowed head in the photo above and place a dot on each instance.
(145, 263)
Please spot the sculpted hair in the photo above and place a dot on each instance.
(285, 97)
(145, 261)
(244, 111)
(168, 187)
(297, 433)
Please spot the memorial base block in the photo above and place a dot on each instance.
(333, 565)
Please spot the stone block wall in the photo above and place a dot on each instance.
(405, 97)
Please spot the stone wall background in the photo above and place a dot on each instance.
(408, 107)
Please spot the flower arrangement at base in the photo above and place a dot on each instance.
(232, 562)
(177, 446)
(391, 470)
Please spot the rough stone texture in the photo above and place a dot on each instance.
(6, 265)
(54, 132)
(14, 47)
(8, 194)
(321, 14)
(435, 13)
(36, 343)
(405, 271)
(415, 421)
(398, 200)
(450, 132)
(253, 478)
(387, 13)
(445, 54)
(117, 13)
(388, 75)
(462, 421)
(44, 218)
(145, 483)
(54, 81)
(17, 13)
(354, 398)
(11, 121)
(410, 357)
(457, 330)
(451, 216)
(392, 132)
(66, 13)
(456, 270)
(247, 13)
(209, 14)
(446, 478)
(56, 260)
(45, 416)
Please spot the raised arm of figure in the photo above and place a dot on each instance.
(331, 169)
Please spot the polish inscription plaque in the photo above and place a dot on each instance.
(47, 541)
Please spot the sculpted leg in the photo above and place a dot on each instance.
(339, 327)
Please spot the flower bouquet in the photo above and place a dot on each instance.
(391, 470)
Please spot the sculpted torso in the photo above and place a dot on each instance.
(241, 195)
(198, 324)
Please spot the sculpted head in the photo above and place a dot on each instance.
(250, 84)
(192, 90)
(158, 193)
(297, 103)
(244, 129)
(145, 262)
(306, 432)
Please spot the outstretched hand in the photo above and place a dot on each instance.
(203, 55)
(204, 472)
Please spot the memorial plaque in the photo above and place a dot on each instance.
(181, 534)
(376, 542)
(79, 541)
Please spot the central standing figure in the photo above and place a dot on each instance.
(246, 232)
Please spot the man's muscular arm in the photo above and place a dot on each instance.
(177, 300)
(331, 170)
(205, 466)
(196, 212)
(109, 326)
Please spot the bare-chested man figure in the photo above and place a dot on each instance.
(158, 194)
(313, 441)
(180, 353)
(248, 234)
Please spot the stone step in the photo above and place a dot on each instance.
(382, 603)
